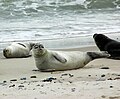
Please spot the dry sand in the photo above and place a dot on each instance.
(20, 79)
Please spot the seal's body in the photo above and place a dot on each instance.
(107, 44)
(47, 60)
(18, 50)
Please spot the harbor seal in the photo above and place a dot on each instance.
(48, 60)
(18, 50)
(105, 43)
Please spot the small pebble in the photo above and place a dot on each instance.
(111, 86)
(104, 68)
(49, 79)
(21, 86)
(33, 77)
(33, 88)
(103, 75)
(73, 89)
(12, 85)
(71, 75)
(103, 96)
(4, 81)
(89, 75)
(38, 85)
(109, 79)
(70, 81)
(23, 78)
(64, 74)
(42, 85)
(13, 80)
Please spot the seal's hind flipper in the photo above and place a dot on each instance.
(95, 55)
(59, 58)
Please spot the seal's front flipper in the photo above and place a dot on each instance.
(21, 44)
(59, 58)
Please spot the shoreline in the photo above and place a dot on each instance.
(20, 79)
(65, 43)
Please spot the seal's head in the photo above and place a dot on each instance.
(38, 50)
(7, 52)
(100, 37)
(101, 41)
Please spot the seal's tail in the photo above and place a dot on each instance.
(101, 54)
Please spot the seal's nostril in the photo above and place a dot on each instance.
(40, 49)
(4, 50)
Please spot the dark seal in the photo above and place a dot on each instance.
(105, 43)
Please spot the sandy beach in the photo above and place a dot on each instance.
(20, 79)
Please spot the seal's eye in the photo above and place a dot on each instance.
(36, 46)
(5, 50)
(41, 46)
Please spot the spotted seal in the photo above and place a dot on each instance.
(48, 60)
(18, 50)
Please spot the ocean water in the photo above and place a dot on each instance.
(58, 23)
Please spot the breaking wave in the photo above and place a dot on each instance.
(26, 7)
